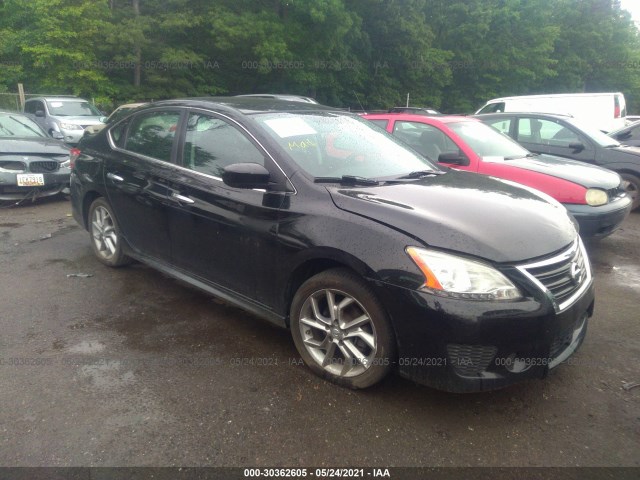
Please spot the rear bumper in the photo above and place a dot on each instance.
(600, 221)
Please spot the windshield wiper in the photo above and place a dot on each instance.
(347, 180)
(420, 174)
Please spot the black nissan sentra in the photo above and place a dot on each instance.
(318, 221)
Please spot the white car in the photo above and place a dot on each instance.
(64, 118)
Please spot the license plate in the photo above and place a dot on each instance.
(30, 179)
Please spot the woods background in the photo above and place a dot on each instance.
(448, 54)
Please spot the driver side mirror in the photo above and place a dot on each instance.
(57, 135)
(40, 113)
(577, 147)
(455, 158)
(246, 175)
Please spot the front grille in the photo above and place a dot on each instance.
(470, 359)
(562, 276)
(614, 193)
(44, 167)
(14, 166)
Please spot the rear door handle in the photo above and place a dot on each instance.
(114, 177)
(182, 198)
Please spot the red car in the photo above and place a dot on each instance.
(594, 196)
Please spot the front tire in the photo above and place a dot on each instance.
(341, 329)
(631, 184)
(106, 239)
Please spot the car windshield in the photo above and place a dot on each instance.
(334, 145)
(67, 108)
(594, 134)
(19, 126)
(487, 142)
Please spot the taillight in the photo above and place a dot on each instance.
(74, 153)
(616, 108)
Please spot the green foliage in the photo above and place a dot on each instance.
(449, 54)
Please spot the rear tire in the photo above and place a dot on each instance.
(341, 330)
(106, 239)
(631, 184)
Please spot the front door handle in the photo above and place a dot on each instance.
(114, 177)
(182, 198)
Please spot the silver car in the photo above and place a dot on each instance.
(64, 118)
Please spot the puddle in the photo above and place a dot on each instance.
(87, 347)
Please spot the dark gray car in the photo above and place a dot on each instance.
(32, 164)
(567, 137)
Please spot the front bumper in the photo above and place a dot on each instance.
(54, 183)
(600, 221)
(467, 346)
(72, 136)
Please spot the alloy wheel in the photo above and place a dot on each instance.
(338, 333)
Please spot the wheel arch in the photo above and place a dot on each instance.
(315, 263)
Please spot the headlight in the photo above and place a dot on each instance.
(595, 197)
(65, 164)
(70, 126)
(453, 276)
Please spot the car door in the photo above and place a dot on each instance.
(137, 176)
(553, 137)
(225, 236)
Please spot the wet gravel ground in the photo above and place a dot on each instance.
(127, 367)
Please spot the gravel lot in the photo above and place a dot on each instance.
(127, 367)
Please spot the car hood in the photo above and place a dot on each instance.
(468, 213)
(628, 150)
(32, 146)
(81, 120)
(589, 176)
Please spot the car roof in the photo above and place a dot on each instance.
(281, 96)
(59, 98)
(559, 116)
(433, 119)
(246, 105)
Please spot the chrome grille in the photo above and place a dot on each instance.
(564, 277)
(44, 167)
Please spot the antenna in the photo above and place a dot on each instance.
(359, 103)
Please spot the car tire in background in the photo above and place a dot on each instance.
(106, 239)
(341, 330)
(632, 186)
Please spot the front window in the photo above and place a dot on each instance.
(19, 126)
(211, 144)
(68, 108)
(487, 142)
(333, 145)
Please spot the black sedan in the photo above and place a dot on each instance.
(32, 164)
(566, 137)
(323, 223)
